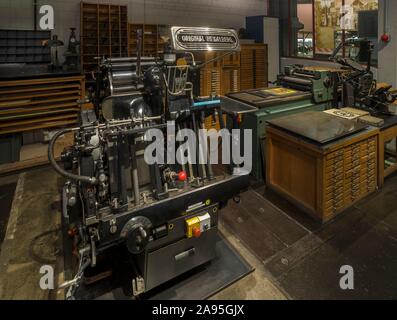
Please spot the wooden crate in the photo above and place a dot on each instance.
(322, 181)
(27, 105)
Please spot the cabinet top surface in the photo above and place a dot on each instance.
(318, 127)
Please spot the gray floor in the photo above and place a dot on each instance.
(303, 258)
(293, 256)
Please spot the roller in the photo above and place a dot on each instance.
(300, 81)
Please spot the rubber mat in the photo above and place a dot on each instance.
(198, 284)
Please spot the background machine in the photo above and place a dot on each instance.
(162, 216)
(299, 89)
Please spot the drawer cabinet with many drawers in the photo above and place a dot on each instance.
(350, 174)
(322, 180)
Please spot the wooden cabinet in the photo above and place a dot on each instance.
(246, 69)
(230, 80)
(32, 104)
(254, 66)
(210, 81)
(103, 32)
(152, 43)
(322, 180)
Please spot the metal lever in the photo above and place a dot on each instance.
(185, 254)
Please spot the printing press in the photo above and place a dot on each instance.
(309, 88)
(162, 216)
(299, 89)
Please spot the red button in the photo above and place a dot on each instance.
(182, 176)
(196, 232)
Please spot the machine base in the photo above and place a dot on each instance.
(197, 284)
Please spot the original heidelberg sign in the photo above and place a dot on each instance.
(204, 39)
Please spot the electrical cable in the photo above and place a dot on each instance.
(57, 168)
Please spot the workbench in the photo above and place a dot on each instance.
(323, 179)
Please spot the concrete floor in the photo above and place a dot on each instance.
(32, 237)
(293, 256)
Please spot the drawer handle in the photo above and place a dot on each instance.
(185, 254)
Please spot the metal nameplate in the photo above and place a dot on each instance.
(204, 39)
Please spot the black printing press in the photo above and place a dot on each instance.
(162, 216)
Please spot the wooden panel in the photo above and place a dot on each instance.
(294, 172)
(46, 103)
(254, 66)
(152, 43)
(230, 81)
(218, 77)
(210, 82)
(103, 32)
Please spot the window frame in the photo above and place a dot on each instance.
(316, 56)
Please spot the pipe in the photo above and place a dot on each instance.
(57, 168)
(181, 155)
(385, 5)
(134, 172)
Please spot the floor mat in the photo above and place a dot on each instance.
(199, 284)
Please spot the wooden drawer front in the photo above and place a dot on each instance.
(336, 154)
(333, 206)
(333, 165)
(334, 192)
(350, 174)
(334, 182)
(360, 165)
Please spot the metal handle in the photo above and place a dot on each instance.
(185, 254)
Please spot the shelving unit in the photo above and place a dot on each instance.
(24, 46)
(152, 44)
(218, 78)
(104, 33)
(32, 104)
(254, 66)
